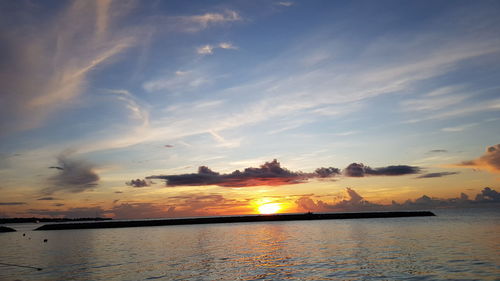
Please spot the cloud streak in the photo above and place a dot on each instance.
(209, 49)
(436, 175)
(360, 170)
(12, 203)
(47, 65)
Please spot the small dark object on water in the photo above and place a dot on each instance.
(24, 234)
(45, 240)
(6, 229)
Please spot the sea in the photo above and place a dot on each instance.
(456, 244)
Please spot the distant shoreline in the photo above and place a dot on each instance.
(234, 219)
(37, 220)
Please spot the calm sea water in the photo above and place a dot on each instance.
(457, 245)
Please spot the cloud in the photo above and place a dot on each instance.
(360, 170)
(12, 203)
(47, 198)
(56, 167)
(179, 81)
(205, 50)
(270, 173)
(438, 151)
(209, 49)
(46, 65)
(285, 3)
(137, 111)
(199, 22)
(327, 172)
(80, 212)
(74, 176)
(489, 161)
(355, 202)
(186, 205)
(459, 128)
(488, 195)
(436, 175)
(139, 183)
(140, 211)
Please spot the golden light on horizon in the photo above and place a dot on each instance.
(269, 208)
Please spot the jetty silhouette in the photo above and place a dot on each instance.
(234, 219)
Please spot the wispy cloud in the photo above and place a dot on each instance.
(48, 65)
(209, 49)
(49, 198)
(137, 111)
(12, 203)
(436, 175)
(432, 103)
(438, 151)
(459, 128)
(285, 3)
(205, 50)
(178, 81)
(199, 22)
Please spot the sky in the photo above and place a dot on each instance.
(147, 109)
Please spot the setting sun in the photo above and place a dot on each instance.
(269, 208)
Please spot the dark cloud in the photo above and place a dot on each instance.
(58, 204)
(139, 183)
(436, 175)
(47, 198)
(12, 203)
(490, 160)
(438, 151)
(118, 191)
(488, 195)
(83, 212)
(360, 170)
(327, 172)
(355, 202)
(74, 175)
(56, 167)
(270, 173)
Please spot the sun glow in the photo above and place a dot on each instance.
(269, 208)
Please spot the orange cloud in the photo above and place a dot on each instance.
(489, 161)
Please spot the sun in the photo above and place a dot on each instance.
(269, 208)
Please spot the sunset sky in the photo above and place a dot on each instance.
(141, 109)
